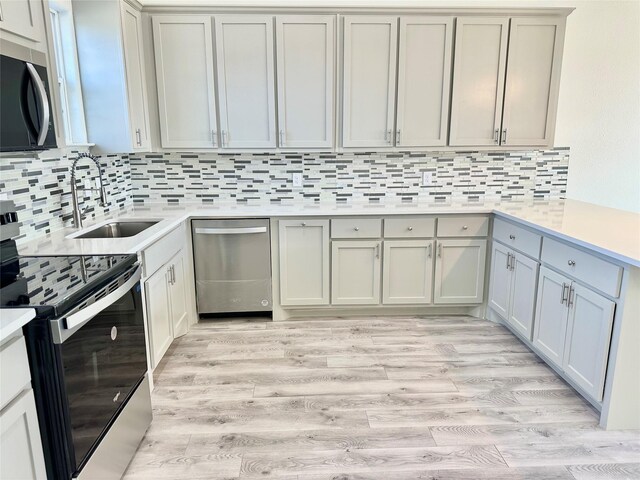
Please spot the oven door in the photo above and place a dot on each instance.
(103, 355)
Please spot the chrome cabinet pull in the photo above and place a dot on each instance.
(225, 141)
(430, 250)
(508, 260)
(570, 298)
(397, 137)
(214, 136)
(563, 294)
(138, 137)
(504, 136)
(440, 250)
(388, 137)
(303, 224)
(410, 228)
(512, 237)
(571, 263)
(357, 229)
(169, 276)
(496, 140)
(378, 250)
(281, 138)
(465, 227)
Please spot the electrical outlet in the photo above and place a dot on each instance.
(297, 179)
(427, 178)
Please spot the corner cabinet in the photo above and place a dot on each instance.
(303, 262)
(306, 80)
(459, 277)
(245, 56)
(500, 99)
(183, 48)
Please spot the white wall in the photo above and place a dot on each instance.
(599, 105)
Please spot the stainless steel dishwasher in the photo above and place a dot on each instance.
(232, 261)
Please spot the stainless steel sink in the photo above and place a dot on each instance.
(118, 230)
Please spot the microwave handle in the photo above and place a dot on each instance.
(64, 327)
(44, 103)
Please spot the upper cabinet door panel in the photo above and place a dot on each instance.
(136, 88)
(424, 74)
(244, 46)
(22, 18)
(478, 80)
(306, 80)
(369, 81)
(183, 48)
(533, 79)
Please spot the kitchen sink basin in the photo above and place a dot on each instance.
(118, 230)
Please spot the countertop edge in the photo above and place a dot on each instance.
(13, 319)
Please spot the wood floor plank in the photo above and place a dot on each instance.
(355, 388)
(146, 466)
(594, 452)
(361, 349)
(535, 473)
(264, 465)
(481, 384)
(606, 471)
(193, 393)
(479, 416)
(526, 434)
(427, 359)
(454, 370)
(288, 441)
(292, 376)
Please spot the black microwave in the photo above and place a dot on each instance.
(26, 117)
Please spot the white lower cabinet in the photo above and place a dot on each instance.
(167, 310)
(573, 330)
(407, 271)
(459, 277)
(20, 448)
(512, 290)
(355, 272)
(304, 262)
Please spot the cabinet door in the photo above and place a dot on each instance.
(407, 271)
(460, 271)
(550, 327)
(369, 81)
(183, 47)
(533, 80)
(306, 79)
(424, 75)
(178, 295)
(21, 454)
(523, 294)
(134, 69)
(158, 313)
(244, 46)
(304, 262)
(478, 80)
(588, 337)
(22, 18)
(355, 272)
(500, 280)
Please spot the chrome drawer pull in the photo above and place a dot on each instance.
(410, 229)
(572, 263)
(464, 227)
(356, 229)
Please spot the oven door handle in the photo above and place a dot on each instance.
(66, 326)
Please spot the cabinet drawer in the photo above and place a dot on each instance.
(159, 253)
(14, 370)
(517, 238)
(409, 227)
(593, 271)
(356, 228)
(463, 226)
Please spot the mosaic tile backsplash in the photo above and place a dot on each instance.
(348, 177)
(41, 189)
(40, 186)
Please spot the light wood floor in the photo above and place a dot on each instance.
(373, 398)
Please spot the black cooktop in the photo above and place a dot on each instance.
(52, 285)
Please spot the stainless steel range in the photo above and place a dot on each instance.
(87, 355)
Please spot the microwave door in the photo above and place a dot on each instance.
(13, 133)
(35, 104)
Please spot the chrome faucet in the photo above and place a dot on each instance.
(77, 213)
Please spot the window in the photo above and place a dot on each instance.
(69, 91)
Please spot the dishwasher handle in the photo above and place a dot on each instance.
(230, 231)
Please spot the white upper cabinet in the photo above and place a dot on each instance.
(424, 75)
(23, 18)
(306, 80)
(533, 79)
(245, 51)
(183, 47)
(134, 68)
(478, 80)
(369, 78)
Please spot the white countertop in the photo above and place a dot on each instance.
(611, 232)
(13, 319)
